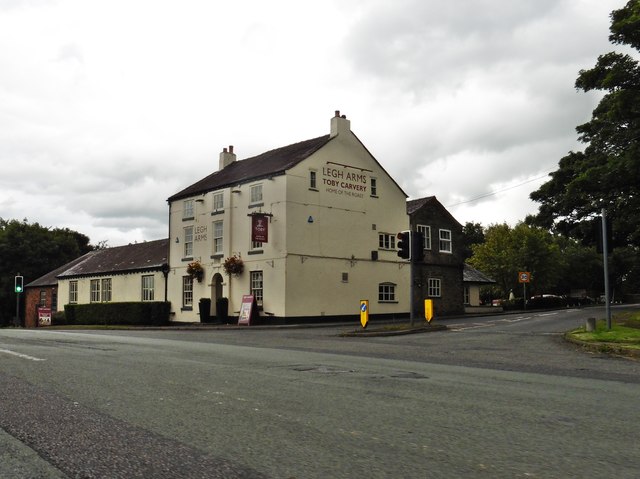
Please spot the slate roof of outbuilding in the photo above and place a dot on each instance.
(147, 256)
(271, 163)
(472, 275)
(50, 279)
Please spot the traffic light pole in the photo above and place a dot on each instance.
(18, 287)
(17, 309)
(412, 286)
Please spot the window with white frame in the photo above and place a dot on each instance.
(94, 291)
(445, 241)
(467, 295)
(148, 288)
(374, 187)
(426, 234)
(256, 245)
(313, 179)
(188, 242)
(187, 291)
(217, 237)
(218, 201)
(73, 292)
(256, 194)
(105, 294)
(386, 241)
(386, 292)
(433, 287)
(187, 209)
(257, 286)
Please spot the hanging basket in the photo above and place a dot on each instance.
(233, 265)
(195, 270)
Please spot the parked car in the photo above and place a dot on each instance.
(547, 301)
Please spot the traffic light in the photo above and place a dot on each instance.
(417, 247)
(18, 284)
(404, 244)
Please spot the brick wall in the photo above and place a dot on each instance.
(33, 300)
(437, 265)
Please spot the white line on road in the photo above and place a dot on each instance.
(20, 355)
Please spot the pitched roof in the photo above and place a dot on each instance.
(271, 163)
(472, 275)
(150, 255)
(414, 205)
(50, 279)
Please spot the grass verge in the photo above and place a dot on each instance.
(622, 338)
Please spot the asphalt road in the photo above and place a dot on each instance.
(492, 397)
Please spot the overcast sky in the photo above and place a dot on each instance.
(109, 107)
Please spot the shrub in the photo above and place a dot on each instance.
(131, 313)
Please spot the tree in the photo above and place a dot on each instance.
(32, 250)
(607, 173)
(507, 251)
(472, 233)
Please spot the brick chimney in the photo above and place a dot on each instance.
(339, 124)
(226, 157)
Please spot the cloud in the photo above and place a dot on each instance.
(108, 108)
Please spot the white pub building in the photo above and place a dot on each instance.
(308, 229)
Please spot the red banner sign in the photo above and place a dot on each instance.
(260, 228)
(44, 316)
(246, 310)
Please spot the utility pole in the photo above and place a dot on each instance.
(605, 260)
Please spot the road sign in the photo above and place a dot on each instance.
(364, 312)
(428, 310)
(524, 277)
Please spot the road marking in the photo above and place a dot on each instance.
(20, 355)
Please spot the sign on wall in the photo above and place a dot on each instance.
(345, 180)
(259, 228)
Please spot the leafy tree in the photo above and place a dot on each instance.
(580, 269)
(607, 173)
(32, 250)
(472, 233)
(506, 251)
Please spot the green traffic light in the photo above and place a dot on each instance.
(18, 289)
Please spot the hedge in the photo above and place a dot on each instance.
(130, 313)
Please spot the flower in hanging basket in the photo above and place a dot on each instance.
(233, 265)
(195, 270)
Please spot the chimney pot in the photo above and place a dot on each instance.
(337, 113)
(230, 148)
(224, 150)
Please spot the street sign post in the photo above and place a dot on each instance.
(364, 312)
(524, 277)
